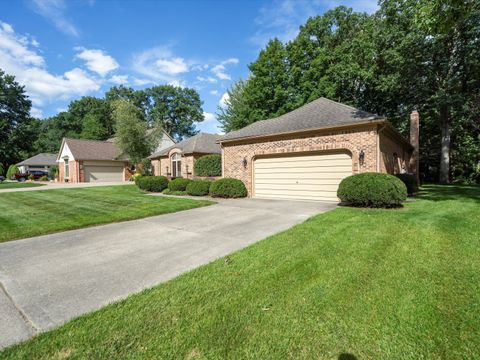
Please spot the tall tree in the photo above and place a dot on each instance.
(131, 130)
(16, 131)
(235, 113)
(175, 109)
(89, 107)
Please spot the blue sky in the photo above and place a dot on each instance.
(62, 50)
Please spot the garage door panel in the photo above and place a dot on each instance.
(103, 173)
(309, 177)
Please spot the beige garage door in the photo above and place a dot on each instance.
(303, 177)
(103, 173)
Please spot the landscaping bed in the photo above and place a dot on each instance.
(352, 283)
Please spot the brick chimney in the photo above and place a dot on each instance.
(414, 140)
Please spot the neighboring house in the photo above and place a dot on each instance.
(39, 162)
(178, 160)
(92, 160)
(305, 153)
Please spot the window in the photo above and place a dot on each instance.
(67, 168)
(176, 165)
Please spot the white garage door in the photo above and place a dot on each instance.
(103, 173)
(303, 177)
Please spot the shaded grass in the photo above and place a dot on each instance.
(25, 214)
(14, 185)
(372, 283)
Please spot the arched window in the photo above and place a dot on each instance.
(176, 165)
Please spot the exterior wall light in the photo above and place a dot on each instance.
(245, 162)
(361, 157)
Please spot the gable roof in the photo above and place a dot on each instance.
(317, 114)
(202, 143)
(92, 149)
(40, 159)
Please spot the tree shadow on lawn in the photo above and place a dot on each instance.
(449, 192)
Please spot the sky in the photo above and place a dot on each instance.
(63, 50)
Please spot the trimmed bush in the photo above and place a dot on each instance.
(410, 182)
(43, 178)
(209, 165)
(179, 184)
(167, 191)
(152, 183)
(53, 172)
(199, 187)
(372, 190)
(228, 188)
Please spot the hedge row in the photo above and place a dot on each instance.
(224, 188)
(208, 165)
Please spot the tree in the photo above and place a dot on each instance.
(16, 131)
(89, 107)
(131, 130)
(174, 109)
(93, 128)
(235, 113)
(136, 97)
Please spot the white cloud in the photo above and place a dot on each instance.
(159, 64)
(219, 70)
(7, 28)
(119, 79)
(207, 79)
(223, 100)
(283, 18)
(209, 117)
(36, 112)
(172, 66)
(18, 58)
(214, 92)
(54, 11)
(97, 60)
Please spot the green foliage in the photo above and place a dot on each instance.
(145, 167)
(152, 183)
(410, 182)
(17, 128)
(12, 170)
(53, 172)
(130, 131)
(167, 191)
(199, 187)
(44, 178)
(228, 188)
(209, 165)
(179, 184)
(372, 190)
(2, 169)
(31, 177)
(93, 128)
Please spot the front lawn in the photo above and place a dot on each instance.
(14, 185)
(347, 284)
(31, 213)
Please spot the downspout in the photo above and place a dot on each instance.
(380, 129)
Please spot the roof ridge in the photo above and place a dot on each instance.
(104, 141)
(344, 105)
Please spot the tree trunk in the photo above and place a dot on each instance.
(445, 152)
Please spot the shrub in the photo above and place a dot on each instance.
(53, 172)
(228, 188)
(167, 191)
(135, 177)
(179, 184)
(152, 183)
(12, 170)
(31, 177)
(43, 178)
(199, 187)
(145, 167)
(209, 165)
(372, 190)
(410, 182)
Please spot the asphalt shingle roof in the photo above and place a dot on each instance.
(94, 150)
(202, 143)
(317, 114)
(40, 159)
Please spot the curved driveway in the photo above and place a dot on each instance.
(47, 280)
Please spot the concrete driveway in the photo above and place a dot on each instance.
(47, 280)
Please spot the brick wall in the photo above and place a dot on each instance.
(394, 157)
(73, 171)
(163, 165)
(353, 141)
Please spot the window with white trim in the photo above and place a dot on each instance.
(176, 160)
(67, 168)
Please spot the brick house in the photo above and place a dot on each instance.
(82, 160)
(305, 153)
(179, 160)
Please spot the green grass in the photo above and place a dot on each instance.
(31, 213)
(350, 283)
(14, 185)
